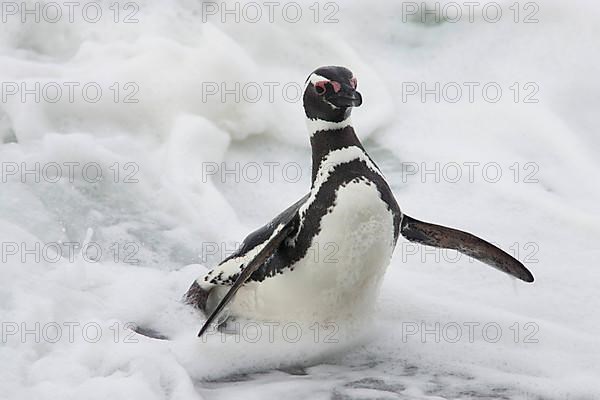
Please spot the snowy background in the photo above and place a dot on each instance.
(156, 135)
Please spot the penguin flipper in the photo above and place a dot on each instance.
(464, 242)
(263, 255)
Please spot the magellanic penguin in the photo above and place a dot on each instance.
(274, 275)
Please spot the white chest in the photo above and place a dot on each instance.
(342, 270)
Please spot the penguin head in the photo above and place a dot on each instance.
(330, 94)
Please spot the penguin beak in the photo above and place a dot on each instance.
(346, 98)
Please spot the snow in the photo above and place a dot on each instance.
(162, 214)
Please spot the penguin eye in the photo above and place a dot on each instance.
(320, 87)
(353, 82)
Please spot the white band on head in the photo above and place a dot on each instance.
(314, 78)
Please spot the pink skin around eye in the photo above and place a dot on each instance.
(336, 86)
(353, 83)
(320, 85)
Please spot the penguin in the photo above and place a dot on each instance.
(350, 208)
